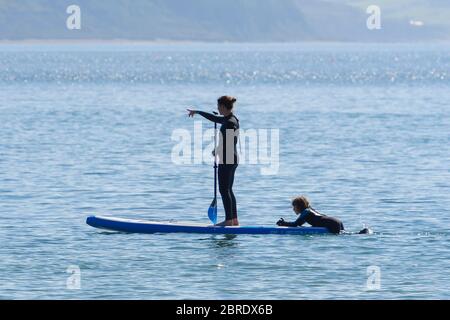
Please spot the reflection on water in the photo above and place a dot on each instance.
(223, 240)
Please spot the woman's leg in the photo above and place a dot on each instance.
(233, 198)
(225, 192)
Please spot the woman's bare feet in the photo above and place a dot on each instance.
(235, 222)
(225, 223)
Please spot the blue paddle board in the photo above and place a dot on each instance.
(144, 226)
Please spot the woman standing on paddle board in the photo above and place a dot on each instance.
(227, 153)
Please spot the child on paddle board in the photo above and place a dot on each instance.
(301, 207)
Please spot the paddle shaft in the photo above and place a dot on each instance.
(215, 163)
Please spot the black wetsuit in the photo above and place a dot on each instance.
(228, 160)
(316, 219)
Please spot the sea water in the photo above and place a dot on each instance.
(363, 132)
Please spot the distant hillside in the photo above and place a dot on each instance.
(206, 20)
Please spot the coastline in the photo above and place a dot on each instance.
(184, 42)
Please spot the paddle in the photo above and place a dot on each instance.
(212, 210)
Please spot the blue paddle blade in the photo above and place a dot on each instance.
(212, 212)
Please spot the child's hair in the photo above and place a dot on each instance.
(226, 101)
(300, 202)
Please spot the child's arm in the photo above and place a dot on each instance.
(302, 219)
(283, 223)
(297, 223)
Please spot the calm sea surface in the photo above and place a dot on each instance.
(364, 132)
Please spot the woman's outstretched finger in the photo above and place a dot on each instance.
(191, 112)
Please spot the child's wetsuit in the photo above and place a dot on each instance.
(316, 219)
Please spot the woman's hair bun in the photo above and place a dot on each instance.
(227, 101)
